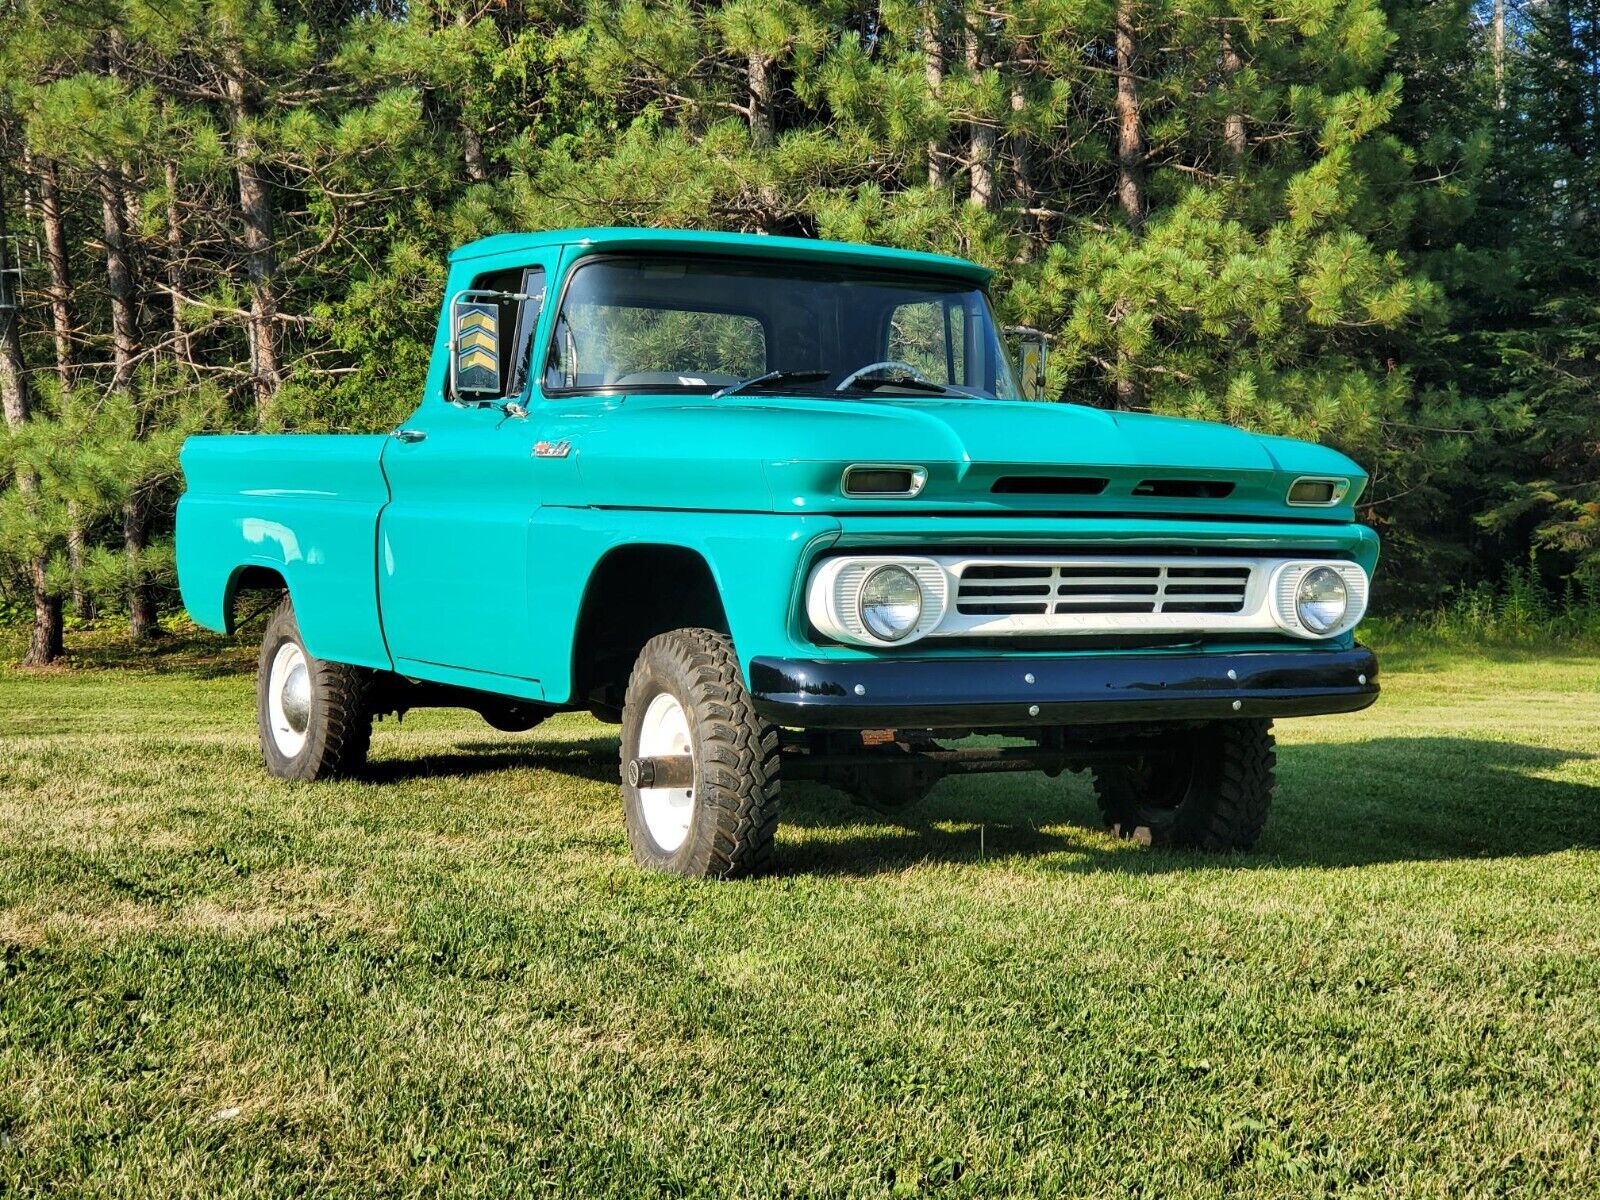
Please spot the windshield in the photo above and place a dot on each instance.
(666, 323)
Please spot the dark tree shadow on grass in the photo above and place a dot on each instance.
(583, 758)
(1338, 804)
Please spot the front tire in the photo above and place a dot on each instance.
(315, 717)
(687, 696)
(1208, 788)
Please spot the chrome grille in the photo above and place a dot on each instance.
(1070, 587)
(990, 595)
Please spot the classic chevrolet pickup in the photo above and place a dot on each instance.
(784, 508)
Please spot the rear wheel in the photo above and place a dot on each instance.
(1208, 788)
(315, 717)
(688, 711)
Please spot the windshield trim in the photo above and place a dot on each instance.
(688, 252)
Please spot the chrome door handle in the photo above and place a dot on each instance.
(411, 435)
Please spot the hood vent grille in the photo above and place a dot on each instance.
(1048, 485)
(1185, 489)
(873, 479)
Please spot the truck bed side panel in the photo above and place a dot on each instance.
(304, 505)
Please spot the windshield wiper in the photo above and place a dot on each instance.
(927, 386)
(770, 377)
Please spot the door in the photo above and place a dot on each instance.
(453, 540)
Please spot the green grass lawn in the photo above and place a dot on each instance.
(449, 977)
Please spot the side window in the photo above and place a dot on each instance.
(931, 335)
(496, 338)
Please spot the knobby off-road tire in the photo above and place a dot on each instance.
(1207, 788)
(314, 725)
(687, 693)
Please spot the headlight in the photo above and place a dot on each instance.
(877, 600)
(1321, 599)
(891, 603)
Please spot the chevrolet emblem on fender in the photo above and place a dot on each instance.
(552, 449)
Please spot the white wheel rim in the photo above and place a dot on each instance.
(664, 732)
(289, 699)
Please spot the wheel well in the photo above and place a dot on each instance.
(635, 593)
(251, 579)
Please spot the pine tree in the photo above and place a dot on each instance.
(16, 404)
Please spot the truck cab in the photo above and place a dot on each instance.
(783, 507)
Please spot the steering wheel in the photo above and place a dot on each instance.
(886, 364)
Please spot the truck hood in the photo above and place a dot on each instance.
(788, 453)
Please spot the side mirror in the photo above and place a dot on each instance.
(1032, 352)
(476, 368)
(478, 337)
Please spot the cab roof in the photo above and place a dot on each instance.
(740, 244)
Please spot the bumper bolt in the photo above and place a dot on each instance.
(1033, 710)
(1232, 674)
(1361, 679)
(861, 689)
(1028, 678)
(1237, 705)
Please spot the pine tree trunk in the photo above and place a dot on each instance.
(980, 158)
(1499, 53)
(82, 602)
(1130, 127)
(119, 278)
(1022, 166)
(933, 73)
(255, 206)
(55, 249)
(181, 347)
(44, 645)
(758, 69)
(47, 641)
(142, 612)
(1233, 132)
(124, 346)
(471, 142)
(1130, 170)
(472, 154)
(759, 83)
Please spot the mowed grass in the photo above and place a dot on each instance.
(449, 978)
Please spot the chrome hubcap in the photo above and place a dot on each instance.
(664, 733)
(289, 699)
(297, 698)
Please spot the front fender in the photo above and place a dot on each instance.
(753, 557)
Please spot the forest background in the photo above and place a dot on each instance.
(1372, 223)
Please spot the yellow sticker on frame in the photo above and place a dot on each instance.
(477, 347)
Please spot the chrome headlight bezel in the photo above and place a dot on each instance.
(1284, 589)
(833, 597)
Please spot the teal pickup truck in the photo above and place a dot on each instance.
(784, 508)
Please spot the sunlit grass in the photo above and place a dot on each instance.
(449, 976)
